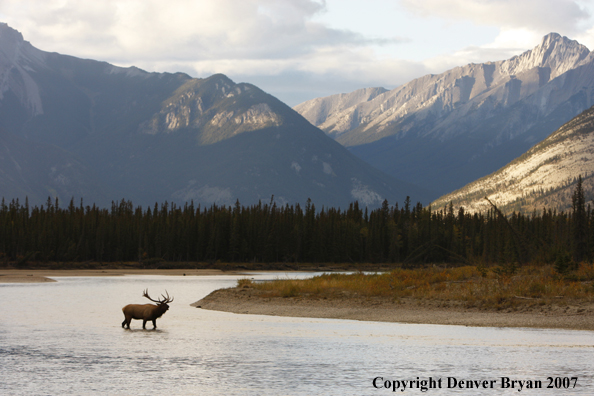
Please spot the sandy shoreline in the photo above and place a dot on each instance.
(39, 276)
(248, 301)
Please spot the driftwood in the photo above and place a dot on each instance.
(532, 298)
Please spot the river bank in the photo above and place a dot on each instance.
(577, 316)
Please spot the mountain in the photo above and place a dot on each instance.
(108, 133)
(323, 112)
(545, 176)
(444, 131)
(37, 170)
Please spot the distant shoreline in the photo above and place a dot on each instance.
(36, 272)
(250, 301)
(43, 275)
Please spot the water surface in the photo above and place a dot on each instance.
(66, 338)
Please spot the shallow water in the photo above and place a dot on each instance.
(66, 338)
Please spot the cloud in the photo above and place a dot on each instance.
(321, 72)
(520, 24)
(144, 30)
(539, 15)
(293, 48)
(244, 39)
(586, 38)
(508, 43)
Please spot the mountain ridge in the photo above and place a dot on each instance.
(152, 137)
(445, 130)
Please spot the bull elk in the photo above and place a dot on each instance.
(146, 312)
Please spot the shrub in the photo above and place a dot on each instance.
(244, 282)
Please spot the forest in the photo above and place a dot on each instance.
(411, 235)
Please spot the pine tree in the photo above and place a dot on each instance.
(579, 228)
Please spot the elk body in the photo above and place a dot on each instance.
(146, 312)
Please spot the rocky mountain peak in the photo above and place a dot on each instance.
(17, 58)
(216, 108)
(13, 47)
(551, 38)
(556, 52)
(444, 130)
(318, 110)
(9, 35)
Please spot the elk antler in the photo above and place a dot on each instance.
(164, 301)
(145, 294)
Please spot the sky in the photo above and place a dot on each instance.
(298, 50)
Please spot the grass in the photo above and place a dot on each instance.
(491, 288)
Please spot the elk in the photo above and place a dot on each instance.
(146, 312)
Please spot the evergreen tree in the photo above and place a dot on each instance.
(580, 237)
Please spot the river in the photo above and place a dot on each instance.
(65, 338)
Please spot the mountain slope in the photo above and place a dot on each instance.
(37, 171)
(332, 113)
(544, 176)
(247, 146)
(443, 131)
(160, 136)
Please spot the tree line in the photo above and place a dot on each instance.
(266, 232)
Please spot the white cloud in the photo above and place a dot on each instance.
(539, 15)
(139, 30)
(295, 49)
(521, 25)
(586, 38)
(243, 39)
(509, 43)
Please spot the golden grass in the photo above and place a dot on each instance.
(488, 288)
